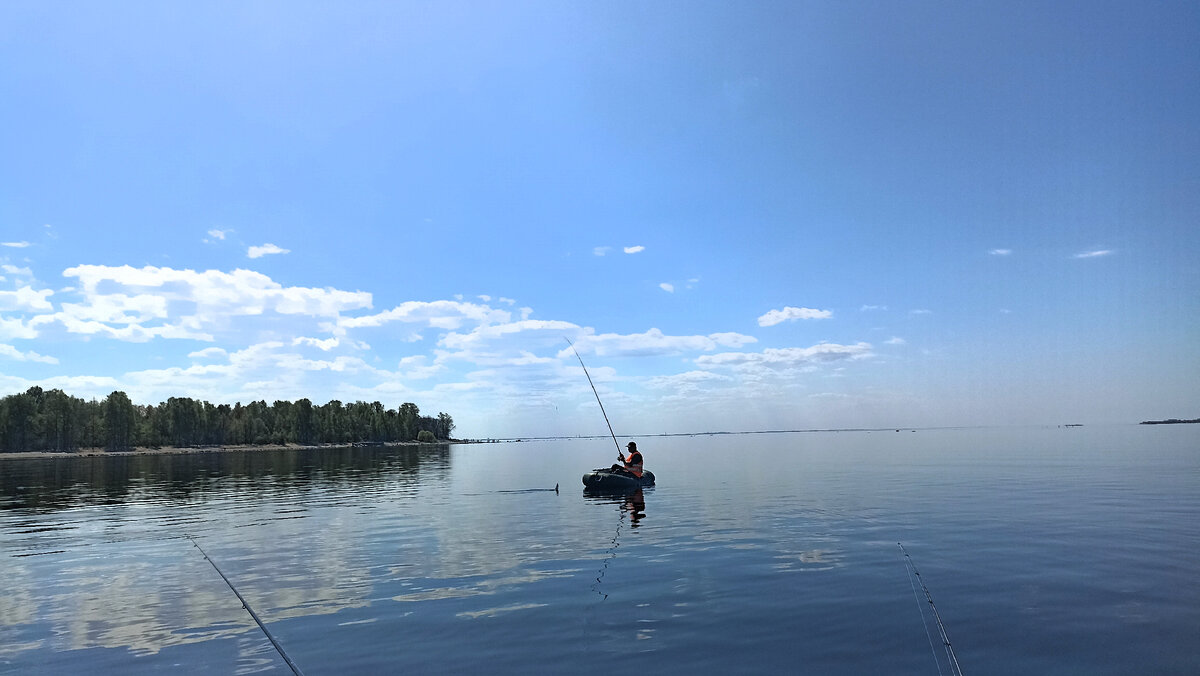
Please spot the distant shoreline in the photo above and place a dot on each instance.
(192, 450)
(252, 448)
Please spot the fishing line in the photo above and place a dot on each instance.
(924, 623)
(589, 378)
(290, 663)
(953, 660)
(616, 540)
(608, 557)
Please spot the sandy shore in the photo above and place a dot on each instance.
(174, 450)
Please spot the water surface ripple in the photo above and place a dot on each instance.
(1047, 550)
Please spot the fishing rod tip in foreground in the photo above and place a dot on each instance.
(952, 658)
(246, 606)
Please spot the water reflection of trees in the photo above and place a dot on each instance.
(125, 577)
(60, 483)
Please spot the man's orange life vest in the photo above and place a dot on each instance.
(634, 464)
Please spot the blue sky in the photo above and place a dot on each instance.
(745, 215)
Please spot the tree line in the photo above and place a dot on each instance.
(51, 420)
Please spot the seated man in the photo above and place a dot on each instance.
(633, 464)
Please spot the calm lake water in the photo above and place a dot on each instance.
(1046, 551)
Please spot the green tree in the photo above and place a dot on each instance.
(283, 413)
(119, 421)
(445, 426)
(258, 422)
(93, 424)
(19, 413)
(183, 421)
(237, 425)
(58, 420)
(305, 424)
(409, 421)
(333, 426)
(38, 419)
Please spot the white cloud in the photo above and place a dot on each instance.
(1094, 254)
(220, 234)
(14, 270)
(527, 358)
(122, 302)
(241, 292)
(208, 353)
(732, 339)
(269, 370)
(601, 250)
(341, 364)
(488, 360)
(323, 345)
(689, 381)
(634, 249)
(18, 328)
(265, 249)
(119, 308)
(867, 308)
(492, 332)
(1000, 252)
(895, 340)
(441, 314)
(668, 287)
(133, 333)
(26, 299)
(654, 343)
(13, 353)
(920, 312)
(791, 314)
(15, 245)
(418, 368)
(788, 357)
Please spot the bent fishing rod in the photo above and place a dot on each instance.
(279, 648)
(953, 660)
(589, 378)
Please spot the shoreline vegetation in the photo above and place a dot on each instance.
(1170, 421)
(55, 422)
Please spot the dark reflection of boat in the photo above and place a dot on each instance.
(613, 480)
(631, 503)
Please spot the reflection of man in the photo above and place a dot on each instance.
(635, 504)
